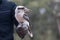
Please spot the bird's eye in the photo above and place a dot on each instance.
(20, 8)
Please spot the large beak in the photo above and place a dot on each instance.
(28, 11)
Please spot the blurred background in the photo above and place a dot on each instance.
(45, 19)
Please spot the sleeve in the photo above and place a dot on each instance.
(13, 14)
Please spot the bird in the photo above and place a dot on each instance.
(23, 20)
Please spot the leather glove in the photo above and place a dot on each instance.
(21, 32)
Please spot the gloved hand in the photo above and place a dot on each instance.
(21, 31)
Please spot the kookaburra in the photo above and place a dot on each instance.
(20, 11)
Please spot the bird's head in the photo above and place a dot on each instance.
(23, 8)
